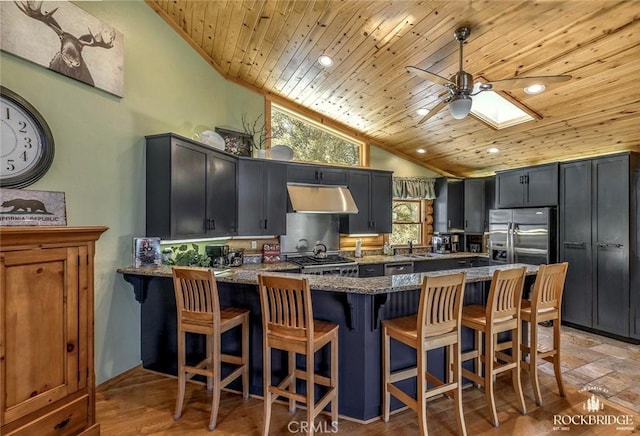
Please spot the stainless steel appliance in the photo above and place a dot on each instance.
(219, 254)
(441, 244)
(392, 269)
(455, 243)
(522, 235)
(332, 264)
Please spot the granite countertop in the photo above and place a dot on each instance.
(247, 274)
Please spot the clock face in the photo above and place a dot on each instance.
(27, 148)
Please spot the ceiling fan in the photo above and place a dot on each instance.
(460, 88)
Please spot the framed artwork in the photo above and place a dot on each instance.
(240, 144)
(66, 39)
(23, 207)
(146, 252)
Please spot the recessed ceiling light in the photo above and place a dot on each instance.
(493, 150)
(325, 61)
(421, 150)
(535, 89)
(422, 111)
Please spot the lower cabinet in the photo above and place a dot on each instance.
(47, 381)
(598, 224)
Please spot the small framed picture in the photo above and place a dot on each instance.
(146, 252)
(240, 144)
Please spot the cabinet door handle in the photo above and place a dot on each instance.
(265, 224)
(448, 224)
(62, 424)
(373, 224)
(526, 179)
(609, 244)
(321, 175)
(213, 224)
(574, 244)
(466, 224)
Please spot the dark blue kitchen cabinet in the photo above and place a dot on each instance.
(527, 187)
(474, 206)
(448, 207)
(371, 191)
(191, 189)
(316, 174)
(262, 197)
(598, 237)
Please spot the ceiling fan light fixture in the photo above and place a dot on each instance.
(325, 61)
(422, 111)
(536, 88)
(460, 106)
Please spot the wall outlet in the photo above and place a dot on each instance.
(254, 245)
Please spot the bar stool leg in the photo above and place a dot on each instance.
(421, 392)
(515, 372)
(181, 376)
(489, 379)
(215, 367)
(533, 363)
(457, 393)
(386, 373)
(556, 358)
(266, 374)
(310, 390)
(478, 359)
(245, 358)
(334, 380)
(292, 383)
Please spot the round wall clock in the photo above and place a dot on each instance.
(26, 149)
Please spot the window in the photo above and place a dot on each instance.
(312, 141)
(407, 222)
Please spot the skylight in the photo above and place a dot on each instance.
(497, 111)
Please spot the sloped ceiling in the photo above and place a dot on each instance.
(273, 47)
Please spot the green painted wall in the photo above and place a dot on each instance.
(99, 161)
(383, 160)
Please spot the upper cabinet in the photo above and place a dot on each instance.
(191, 189)
(528, 187)
(371, 191)
(448, 206)
(262, 197)
(474, 205)
(316, 174)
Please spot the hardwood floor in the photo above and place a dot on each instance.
(141, 403)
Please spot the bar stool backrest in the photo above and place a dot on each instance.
(548, 288)
(286, 306)
(440, 309)
(196, 296)
(505, 294)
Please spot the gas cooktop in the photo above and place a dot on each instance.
(331, 259)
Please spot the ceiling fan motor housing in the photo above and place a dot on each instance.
(463, 82)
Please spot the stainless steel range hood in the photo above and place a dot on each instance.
(321, 199)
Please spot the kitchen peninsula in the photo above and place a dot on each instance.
(357, 305)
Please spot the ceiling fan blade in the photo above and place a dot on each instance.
(429, 76)
(437, 108)
(522, 82)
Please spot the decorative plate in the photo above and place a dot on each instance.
(281, 152)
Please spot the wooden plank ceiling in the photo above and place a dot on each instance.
(273, 47)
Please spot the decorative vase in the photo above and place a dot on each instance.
(262, 154)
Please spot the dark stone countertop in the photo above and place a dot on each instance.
(247, 274)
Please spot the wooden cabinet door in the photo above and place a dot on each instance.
(575, 242)
(188, 191)
(42, 343)
(474, 205)
(275, 201)
(509, 189)
(222, 195)
(611, 244)
(541, 186)
(250, 198)
(381, 195)
(360, 190)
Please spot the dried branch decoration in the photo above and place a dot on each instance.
(257, 129)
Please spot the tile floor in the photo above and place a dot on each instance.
(597, 361)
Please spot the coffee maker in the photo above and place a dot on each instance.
(219, 254)
(441, 244)
(455, 243)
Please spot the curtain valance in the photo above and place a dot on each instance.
(414, 188)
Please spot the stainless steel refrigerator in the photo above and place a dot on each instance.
(522, 235)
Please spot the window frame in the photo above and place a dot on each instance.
(421, 219)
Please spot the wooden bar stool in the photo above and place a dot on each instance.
(199, 311)
(544, 306)
(437, 324)
(501, 314)
(288, 324)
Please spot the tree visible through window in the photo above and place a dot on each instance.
(311, 141)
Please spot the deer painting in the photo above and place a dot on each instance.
(69, 59)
